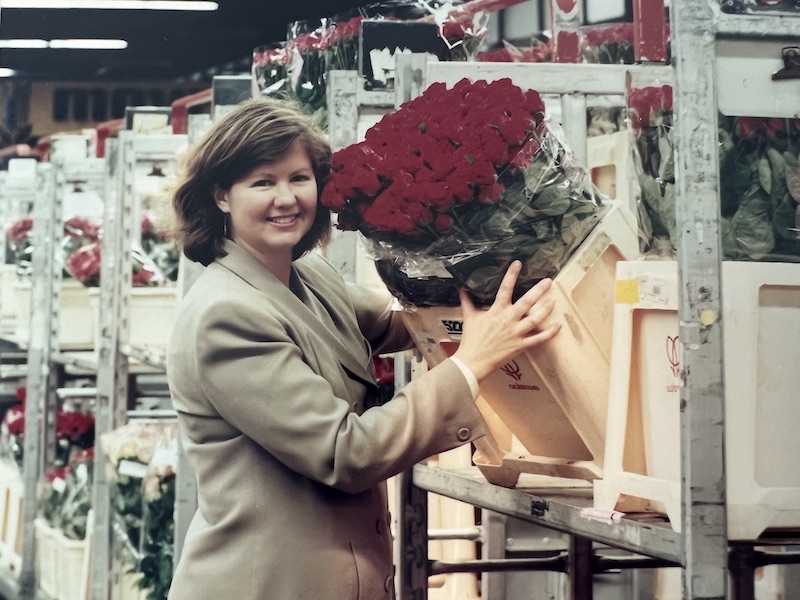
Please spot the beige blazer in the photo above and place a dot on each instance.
(270, 384)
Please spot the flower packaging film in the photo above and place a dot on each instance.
(455, 185)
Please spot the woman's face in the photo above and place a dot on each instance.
(272, 207)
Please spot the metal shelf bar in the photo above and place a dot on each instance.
(559, 510)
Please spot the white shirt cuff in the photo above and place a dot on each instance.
(468, 375)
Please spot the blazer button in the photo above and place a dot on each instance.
(463, 434)
(388, 583)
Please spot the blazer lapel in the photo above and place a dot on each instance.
(243, 264)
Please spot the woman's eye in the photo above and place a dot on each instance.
(262, 183)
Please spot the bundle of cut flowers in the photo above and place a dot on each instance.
(760, 188)
(19, 243)
(307, 67)
(65, 495)
(342, 41)
(270, 70)
(144, 458)
(455, 185)
(650, 116)
(159, 245)
(84, 262)
(539, 51)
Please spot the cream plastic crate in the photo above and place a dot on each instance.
(8, 299)
(11, 512)
(610, 163)
(76, 317)
(72, 567)
(47, 556)
(761, 314)
(546, 410)
(152, 310)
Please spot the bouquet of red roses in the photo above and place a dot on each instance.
(455, 185)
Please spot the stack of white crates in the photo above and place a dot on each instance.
(761, 325)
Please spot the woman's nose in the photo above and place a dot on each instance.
(284, 193)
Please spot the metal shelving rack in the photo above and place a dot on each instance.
(703, 548)
(54, 181)
(115, 355)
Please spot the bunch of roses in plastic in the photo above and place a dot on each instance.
(650, 116)
(18, 241)
(159, 246)
(538, 52)
(455, 185)
(270, 68)
(422, 166)
(307, 65)
(341, 39)
(462, 37)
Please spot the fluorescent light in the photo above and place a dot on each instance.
(6, 72)
(81, 44)
(199, 5)
(89, 44)
(24, 44)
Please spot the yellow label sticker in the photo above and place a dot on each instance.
(708, 317)
(627, 291)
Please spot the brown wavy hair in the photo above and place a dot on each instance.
(257, 131)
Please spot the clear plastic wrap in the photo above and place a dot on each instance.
(650, 117)
(760, 188)
(458, 183)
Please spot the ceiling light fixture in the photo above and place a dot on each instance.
(6, 72)
(194, 5)
(72, 44)
(24, 44)
(89, 44)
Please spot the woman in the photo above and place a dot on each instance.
(270, 370)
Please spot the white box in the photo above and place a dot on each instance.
(610, 162)
(11, 512)
(72, 567)
(546, 410)
(76, 316)
(8, 300)
(152, 310)
(761, 323)
(47, 556)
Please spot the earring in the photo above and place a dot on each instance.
(224, 224)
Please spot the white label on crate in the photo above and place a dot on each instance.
(601, 514)
(657, 292)
(132, 468)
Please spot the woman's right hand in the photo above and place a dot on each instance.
(493, 336)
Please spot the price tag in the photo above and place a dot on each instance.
(132, 468)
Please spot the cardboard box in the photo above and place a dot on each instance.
(546, 409)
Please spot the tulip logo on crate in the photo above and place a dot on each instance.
(453, 326)
(674, 359)
(512, 370)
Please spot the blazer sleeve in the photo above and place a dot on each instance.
(378, 319)
(259, 381)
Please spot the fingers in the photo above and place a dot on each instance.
(506, 290)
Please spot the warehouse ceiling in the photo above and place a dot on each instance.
(162, 45)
